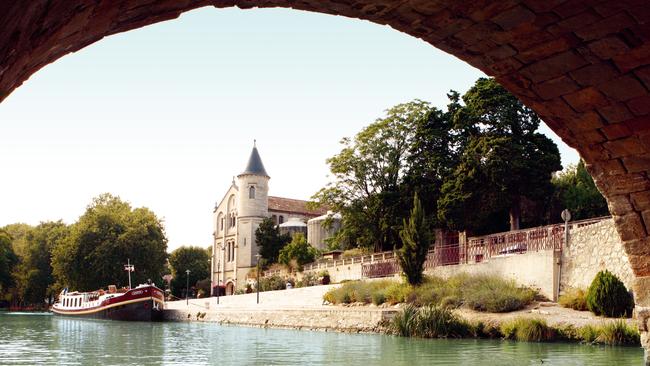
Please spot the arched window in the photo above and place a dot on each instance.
(281, 220)
(251, 192)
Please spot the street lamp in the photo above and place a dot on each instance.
(258, 256)
(187, 288)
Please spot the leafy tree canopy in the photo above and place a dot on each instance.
(8, 260)
(298, 252)
(105, 236)
(576, 191)
(196, 259)
(270, 241)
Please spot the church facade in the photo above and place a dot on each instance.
(244, 206)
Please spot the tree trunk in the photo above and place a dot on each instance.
(515, 213)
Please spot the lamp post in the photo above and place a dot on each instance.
(218, 280)
(258, 256)
(187, 288)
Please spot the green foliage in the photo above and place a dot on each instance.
(272, 283)
(270, 241)
(575, 299)
(416, 238)
(528, 330)
(8, 260)
(308, 279)
(101, 241)
(618, 333)
(608, 296)
(502, 161)
(197, 260)
(429, 322)
(495, 295)
(297, 253)
(368, 177)
(576, 191)
(482, 293)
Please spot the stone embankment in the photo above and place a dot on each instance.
(301, 308)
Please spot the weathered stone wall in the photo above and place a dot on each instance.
(591, 249)
(327, 318)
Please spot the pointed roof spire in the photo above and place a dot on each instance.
(255, 165)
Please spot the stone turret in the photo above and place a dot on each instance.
(253, 185)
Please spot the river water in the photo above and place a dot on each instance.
(43, 339)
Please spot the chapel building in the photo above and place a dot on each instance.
(241, 210)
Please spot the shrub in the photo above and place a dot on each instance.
(527, 330)
(274, 282)
(308, 279)
(608, 296)
(438, 322)
(378, 298)
(415, 237)
(403, 323)
(574, 298)
(494, 294)
(618, 333)
(588, 333)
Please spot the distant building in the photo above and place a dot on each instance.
(318, 232)
(236, 217)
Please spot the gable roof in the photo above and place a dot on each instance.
(290, 205)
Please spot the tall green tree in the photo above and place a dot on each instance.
(8, 261)
(108, 234)
(503, 159)
(34, 279)
(576, 191)
(270, 241)
(368, 175)
(196, 259)
(416, 238)
(297, 253)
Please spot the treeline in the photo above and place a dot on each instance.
(36, 262)
(479, 166)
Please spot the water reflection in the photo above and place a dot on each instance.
(49, 340)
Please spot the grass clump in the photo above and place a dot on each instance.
(495, 295)
(478, 292)
(575, 299)
(618, 333)
(608, 296)
(430, 322)
(528, 330)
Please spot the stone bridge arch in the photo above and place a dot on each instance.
(582, 65)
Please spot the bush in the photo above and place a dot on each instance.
(272, 283)
(608, 296)
(403, 323)
(618, 333)
(378, 298)
(308, 279)
(528, 330)
(575, 299)
(495, 295)
(438, 322)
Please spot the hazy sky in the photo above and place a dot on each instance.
(165, 115)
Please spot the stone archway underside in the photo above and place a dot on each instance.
(582, 65)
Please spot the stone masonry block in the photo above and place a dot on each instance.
(609, 25)
(615, 112)
(624, 147)
(639, 56)
(586, 99)
(640, 106)
(630, 227)
(553, 66)
(640, 125)
(619, 205)
(545, 49)
(641, 200)
(514, 17)
(616, 131)
(641, 289)
(555, 87)
(640, 265)
(594, 74)
(624, 184)
(609, 47)
(623, 88)
(637, 163)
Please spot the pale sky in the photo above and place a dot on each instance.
(165, 116)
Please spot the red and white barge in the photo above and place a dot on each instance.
(143, 303)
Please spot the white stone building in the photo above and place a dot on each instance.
(236, 217)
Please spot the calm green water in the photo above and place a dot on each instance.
(40, 339)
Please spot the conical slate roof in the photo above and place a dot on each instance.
(255, 165)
